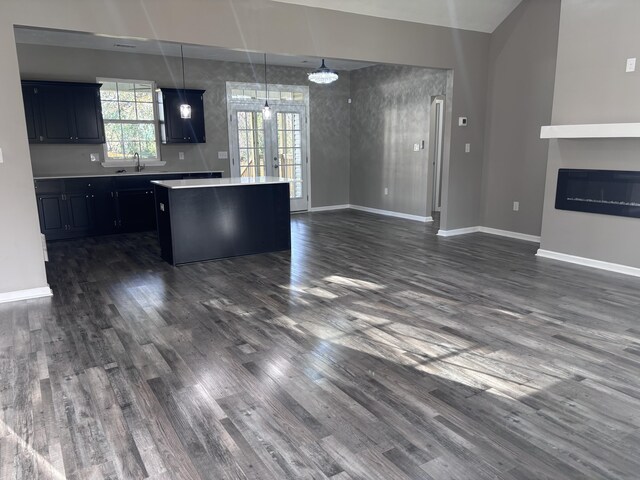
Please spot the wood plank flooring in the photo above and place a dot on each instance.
(374, 350)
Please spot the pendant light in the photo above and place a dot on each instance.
(323, 75)
(185, 108)
(266, 110)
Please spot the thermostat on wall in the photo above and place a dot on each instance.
(462, 121)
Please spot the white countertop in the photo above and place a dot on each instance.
(126, 174)
(218, 182)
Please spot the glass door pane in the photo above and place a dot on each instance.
(290, 151)
(251, 147)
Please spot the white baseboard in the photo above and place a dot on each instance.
(507, 233)
(25, 294)
(490, 231)
(389, 213)
(328, 208)
(589, 262)
(458, 231)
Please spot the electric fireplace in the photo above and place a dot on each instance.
(608, 192)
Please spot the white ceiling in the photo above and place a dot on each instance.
(153, 47)
(478, 15)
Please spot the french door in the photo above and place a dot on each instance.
(273, 147)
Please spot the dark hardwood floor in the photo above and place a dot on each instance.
(374, 350)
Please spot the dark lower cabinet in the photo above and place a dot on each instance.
(80, 207)
(136, 210)
(65, 215)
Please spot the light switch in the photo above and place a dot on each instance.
(416, 147)
(516, 206)
(467, 147)
(180, 155)
(462, 121)
(223, 155)
(631, 65)
(1, 157)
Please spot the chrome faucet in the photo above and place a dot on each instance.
(136, 157)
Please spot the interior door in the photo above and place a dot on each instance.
(274, 147)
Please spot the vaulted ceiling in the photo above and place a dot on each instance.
(478, 15)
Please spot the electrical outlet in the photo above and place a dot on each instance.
(386, 191)
(1, 156)
(223, 155)
(516, 206)
(416, 147)
(467, 147)
(631, 65)
(180, 155)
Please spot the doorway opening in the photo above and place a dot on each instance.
(272, 147)
(437, 153)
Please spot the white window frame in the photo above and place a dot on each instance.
(157, 162)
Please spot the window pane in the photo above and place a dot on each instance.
(127, 111)
(298, 96)
(130, 148)
(126, 92)
(145, 111)
(114, 150)
(146, 132)
(286, 95)
(110, 110)
(109, 91)
(113, 132)
(143, 92)
(148, 150)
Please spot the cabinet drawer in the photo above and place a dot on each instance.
(49, 186)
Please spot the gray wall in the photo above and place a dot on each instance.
(329, 112)
(591, 86)
(522, 64)
(258, 25)
(390, 111)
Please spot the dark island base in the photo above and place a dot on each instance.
(209, 223)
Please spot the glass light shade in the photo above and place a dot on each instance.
(185, 110)
(266, 111)
(323, 75)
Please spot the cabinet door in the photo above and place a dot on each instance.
(87, 109)
(31, 112)
(174, 124)
(136, 210)
(79, 213)
(53, 215)
(194, 127)
(56, 113)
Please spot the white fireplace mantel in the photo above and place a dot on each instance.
(593, 130)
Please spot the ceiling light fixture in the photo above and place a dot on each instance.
(323, 75)
(185, 108)
(266, 110)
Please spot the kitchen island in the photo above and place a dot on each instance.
(208, 219)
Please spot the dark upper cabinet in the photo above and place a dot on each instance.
(175, 129)
(63, 112)
(31, 112)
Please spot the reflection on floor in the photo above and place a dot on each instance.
(375, 350)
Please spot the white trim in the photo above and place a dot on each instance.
(458, 231)
(507, 233)
(589, 262)
(389, 213)
(25, 294)
(595, 130)
(328, 208)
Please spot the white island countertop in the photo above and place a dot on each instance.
(218, 182)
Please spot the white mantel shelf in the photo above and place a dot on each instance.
(594, 130)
